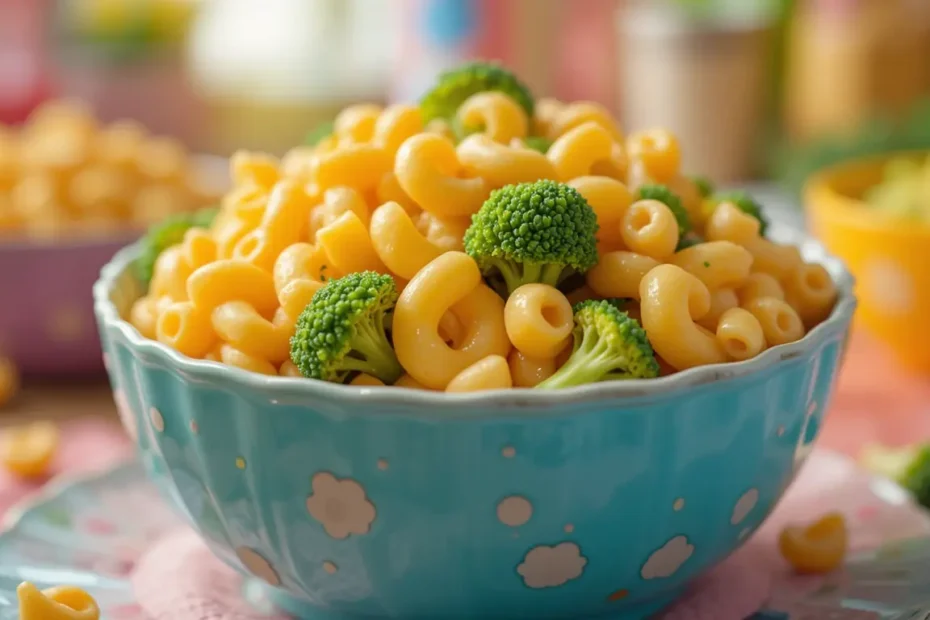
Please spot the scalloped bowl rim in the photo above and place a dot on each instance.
(530, 402)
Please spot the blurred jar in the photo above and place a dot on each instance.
(704, 77)
(850, 60)
(271, 71)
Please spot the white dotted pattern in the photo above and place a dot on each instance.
(514, 511)
(744, 506)
(666, 561)
(158, 420)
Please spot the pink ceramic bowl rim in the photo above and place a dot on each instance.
(528, 401)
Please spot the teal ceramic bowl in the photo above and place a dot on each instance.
(365, 502)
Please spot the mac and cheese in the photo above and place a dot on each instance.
(451, 295)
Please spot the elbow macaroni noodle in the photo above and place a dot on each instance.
(427, 167)
(538, 319)
(389, 193)
(499, 164)
(451, 282)
(566, 117)
(649, 228)
(500, 117)
(490, 373)
(610, 200)
(672, 300)
(587, 149)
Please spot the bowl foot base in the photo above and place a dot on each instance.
(307, 611)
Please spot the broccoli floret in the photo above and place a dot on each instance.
(538, 143)
(454, 87)
(745, 203)
(341, 331)
(671, 200)
(704, 186)
(316, 136)
(165, 234)
(533, 232)
(909, 467)
(608, 344)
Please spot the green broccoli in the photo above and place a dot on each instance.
(321, 131)
(704, 186)
(608, 344)
(453, 87)
(533, 232)
(745, 203)
(538, 143)
(909, 467)
(671, 200)
(165, 234)
(342, 330)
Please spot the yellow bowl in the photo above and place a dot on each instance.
(889, 257)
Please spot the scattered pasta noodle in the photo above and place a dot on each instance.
(64, 173)
(482, 240)
(818, 548)
(58, 603)
(28, 451)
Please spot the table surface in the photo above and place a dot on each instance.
(60, 401)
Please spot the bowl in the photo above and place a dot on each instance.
(47, 322)
(889, 257)
(358, 502)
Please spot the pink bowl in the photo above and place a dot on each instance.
(47, 323)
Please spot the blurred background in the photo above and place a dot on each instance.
(748, 84)
(760, 92)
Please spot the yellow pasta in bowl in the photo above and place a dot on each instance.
(521, 314)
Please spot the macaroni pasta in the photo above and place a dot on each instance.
(389, 203)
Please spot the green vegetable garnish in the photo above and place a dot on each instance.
(165, 234)
(533, 232)
(342, 331)
(608, 344)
